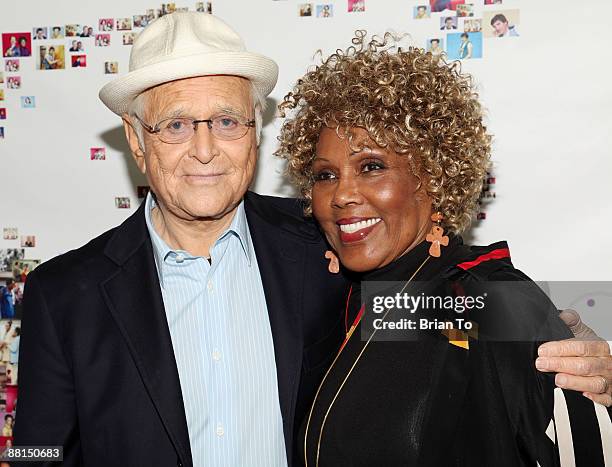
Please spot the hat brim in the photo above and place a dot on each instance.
(261, 71)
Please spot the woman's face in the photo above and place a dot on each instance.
(367, 201)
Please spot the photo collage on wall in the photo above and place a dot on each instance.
(326, 10)
(458, 27)
(62, 47)
(14, 269)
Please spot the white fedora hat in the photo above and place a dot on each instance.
(185, 45)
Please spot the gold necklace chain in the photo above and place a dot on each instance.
(345, 378)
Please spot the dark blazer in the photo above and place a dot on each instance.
(97, 369)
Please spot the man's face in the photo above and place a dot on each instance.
(449, 22)
(204, 178)
(500, 27)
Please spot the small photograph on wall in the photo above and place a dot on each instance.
(325, 11)
(1, 94)
(1, 77)
(72, 30)
(167, 8)
(28, 102)
(9, 341)
(204, 7)
(464, 45)
(7, 257)
(40, 33)
(110, 68)
(140, 21)
(76, 46)
(8, 421)
(465, 10)
(128, 38)
(472, 25)
(51, 57)
(435, 45)
(1, 132)
(103, 40)
(305, 9)
(122, 203)
(493, 2)
(2, 113)
(142, 191)
(421, 12)
(79, 61)
(23, 267)
(57, 32)
(441, 5)
(124, 24)
(106, 24)
(10, 233)
(356, 6)
(28, 241)
(448, 23)
(11, 65)
(16, 44)
(86, 31)
(97, 154)
(501, 23)
(151, 14)
(13, 82)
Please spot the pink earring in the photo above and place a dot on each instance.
(334, 264)
(436, 237)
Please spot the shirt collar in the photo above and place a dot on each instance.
(239, 227)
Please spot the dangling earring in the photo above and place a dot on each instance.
(436, 236)
(334, 264)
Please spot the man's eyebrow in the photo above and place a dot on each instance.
(229, 109)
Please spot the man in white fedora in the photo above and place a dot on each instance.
(196, 332)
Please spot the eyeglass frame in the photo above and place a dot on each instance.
(209, 121)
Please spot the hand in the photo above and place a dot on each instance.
(582, 364)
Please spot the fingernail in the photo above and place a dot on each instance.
(561, 380)
(541, 363)
(543, 351)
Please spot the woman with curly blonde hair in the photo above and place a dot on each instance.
(389, 148)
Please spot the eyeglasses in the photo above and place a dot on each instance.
(181, 130)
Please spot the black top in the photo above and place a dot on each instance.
(427, 402)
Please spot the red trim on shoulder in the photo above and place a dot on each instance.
(500, 253)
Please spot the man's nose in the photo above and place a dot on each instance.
(204, 144)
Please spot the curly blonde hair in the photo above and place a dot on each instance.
(410, 101)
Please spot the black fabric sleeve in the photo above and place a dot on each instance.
(46, 412)
(529, 394)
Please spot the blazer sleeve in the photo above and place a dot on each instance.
(46, 412)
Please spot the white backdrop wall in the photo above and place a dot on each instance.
(547, 93)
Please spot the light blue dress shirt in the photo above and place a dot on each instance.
(222, 342)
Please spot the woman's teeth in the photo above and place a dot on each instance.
(350, 228)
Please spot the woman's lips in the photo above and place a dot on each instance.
(355, 229)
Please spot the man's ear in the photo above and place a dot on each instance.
(134, 143)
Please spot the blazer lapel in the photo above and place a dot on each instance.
(281, 256)
(133, 296)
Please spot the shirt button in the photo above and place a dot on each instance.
(220, 430)
(209, 286)
(216, 355)
(180, 258)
